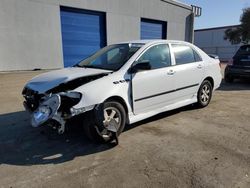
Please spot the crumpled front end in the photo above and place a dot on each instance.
(52, 109)
(51, 97)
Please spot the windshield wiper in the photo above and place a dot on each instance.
(77, 65)
(89, 66)
(93, 67)
(86, 66)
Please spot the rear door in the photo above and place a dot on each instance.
(189, 71)
(152, 88)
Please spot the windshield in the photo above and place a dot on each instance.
(111, 57)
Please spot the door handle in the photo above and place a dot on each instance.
(171, 72)
(199, 66)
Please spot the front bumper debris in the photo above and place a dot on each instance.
(55, 109)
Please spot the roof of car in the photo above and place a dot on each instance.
(154, 41)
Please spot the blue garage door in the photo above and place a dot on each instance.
(83, 33)
(153, 29)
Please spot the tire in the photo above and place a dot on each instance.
(204, 94)
(97, 122)
(228, 78)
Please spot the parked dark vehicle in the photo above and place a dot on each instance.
(241, 65)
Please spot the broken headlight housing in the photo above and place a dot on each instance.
(46, 110)
(41, 115)
(54, 104)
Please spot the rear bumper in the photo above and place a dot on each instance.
(237, 72)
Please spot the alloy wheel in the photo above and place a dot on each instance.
(205, 93)
(112, 115)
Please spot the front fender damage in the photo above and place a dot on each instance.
(55, 109)
(55, 106)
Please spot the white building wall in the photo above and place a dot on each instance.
(30, 30)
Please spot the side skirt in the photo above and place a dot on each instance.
(135, 118)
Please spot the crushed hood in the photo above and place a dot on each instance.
(49, 80)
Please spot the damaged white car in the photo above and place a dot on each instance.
(122, 84)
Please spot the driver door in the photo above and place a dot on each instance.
(152, 88)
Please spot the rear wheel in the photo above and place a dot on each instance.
(204, 94)
(105, 121)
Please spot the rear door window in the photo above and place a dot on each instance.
(185, 54)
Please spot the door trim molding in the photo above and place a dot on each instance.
(166, 92)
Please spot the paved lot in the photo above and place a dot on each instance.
(187, 147)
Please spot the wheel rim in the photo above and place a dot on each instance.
(205, 93)
(111, 114)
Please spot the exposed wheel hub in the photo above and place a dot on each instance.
(112, 119)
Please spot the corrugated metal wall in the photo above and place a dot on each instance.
(212, 42)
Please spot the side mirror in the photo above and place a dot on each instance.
(143, 65)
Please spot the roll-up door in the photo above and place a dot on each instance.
(83, 33)
(153, 29)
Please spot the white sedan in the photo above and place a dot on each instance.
(122, 84)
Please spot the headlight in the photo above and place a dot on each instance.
(41, 115)
(46, 110)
